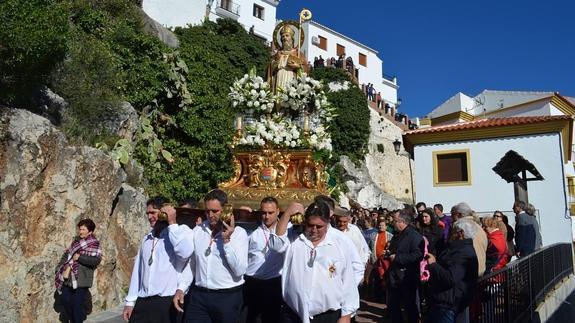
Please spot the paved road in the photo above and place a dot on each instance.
(368, 312)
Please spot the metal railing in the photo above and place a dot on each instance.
(229, 6)
(513, 293)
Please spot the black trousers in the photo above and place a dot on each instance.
(155, 309)
(406, 296)
(214, 306)
(73, 301)
(289, 316)
(263, 299)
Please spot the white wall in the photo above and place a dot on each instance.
(488, 191)
(179, 13)
(372, 73)
(263, 28)
(175, 13)
(389, 91)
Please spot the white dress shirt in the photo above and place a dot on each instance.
(159, 278)
(186, 277)
(263, 261)
(354, 233)
(318, 279)
(349, 247)
(218, 265)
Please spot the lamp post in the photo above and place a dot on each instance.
(397, 148)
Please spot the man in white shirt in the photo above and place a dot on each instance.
(262, 290)
(318, 282)
(219, 253)
(345, 242)
(354, 233)
(153, 281)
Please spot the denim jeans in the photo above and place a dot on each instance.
(440, 315)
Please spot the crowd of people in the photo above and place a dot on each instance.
(419, 261)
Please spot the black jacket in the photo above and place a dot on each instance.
(434, 235)
(408, 249)
(453, 276)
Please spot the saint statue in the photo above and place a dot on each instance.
(285, 62)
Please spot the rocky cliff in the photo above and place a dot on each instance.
(384, 178)
(46, 186)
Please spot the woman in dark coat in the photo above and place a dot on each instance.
(427, 225)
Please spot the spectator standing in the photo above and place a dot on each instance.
(496, 254)
(453, 275)
(526, 230)
(462, 212)
(75, 272)
(406, 251)
(510, 233)
(354, 233)
(445, 219)
(427, 225)
(378, 244)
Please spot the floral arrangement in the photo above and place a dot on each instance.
(279, 131)
(279, 119)
(252, 93)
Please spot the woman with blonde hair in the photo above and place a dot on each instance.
(496, 255)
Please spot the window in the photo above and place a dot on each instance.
(451, 168)
(258, 12)
(362, 59)
(340, 50)
(322, 42)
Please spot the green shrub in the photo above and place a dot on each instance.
(350, 129)
(216, 54)
(33, 39)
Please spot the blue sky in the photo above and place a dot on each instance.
(439, 48)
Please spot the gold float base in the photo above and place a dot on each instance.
(289, 175)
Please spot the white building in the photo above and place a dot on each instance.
(325, 42)
(457, 163)
(494, 104)
(259, 16)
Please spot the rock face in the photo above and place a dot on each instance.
(156, 29)
(384, 179)
(46, 187)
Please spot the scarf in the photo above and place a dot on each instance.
(90, 246)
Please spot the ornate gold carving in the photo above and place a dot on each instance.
(288, 175)
(268, 169)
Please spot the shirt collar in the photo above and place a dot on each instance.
(327, 240)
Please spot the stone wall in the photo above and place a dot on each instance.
(389, 170)
(384, 178)
(46, 186)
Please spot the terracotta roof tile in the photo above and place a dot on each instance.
(487, 123)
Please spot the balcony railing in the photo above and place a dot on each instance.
(513, 293)
(228, 6)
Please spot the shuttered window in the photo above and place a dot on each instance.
(362, 59)
(340, 50)
(322, 42)
(451, 168)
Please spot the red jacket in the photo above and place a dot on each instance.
(496, 251)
